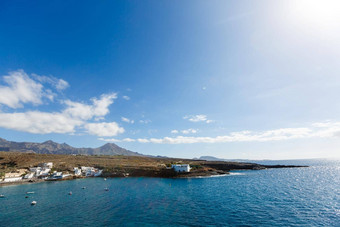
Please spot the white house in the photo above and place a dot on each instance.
(91, 171)
(77, 171)
(44, 172)
(14, 176)
(29, 175)
(181, 167)
(48, 165)
(12, 179)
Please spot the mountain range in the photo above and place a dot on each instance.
(51, 147)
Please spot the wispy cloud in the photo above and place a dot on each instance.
(197, 118)
(144, 121)
(127, 120)
(185, 131)
(20, 89)
(189, 131)
(57, 83)
(126, 97)
(316, 130)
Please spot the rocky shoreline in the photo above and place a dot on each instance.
(124, 166)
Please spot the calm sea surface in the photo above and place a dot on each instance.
(273, 197)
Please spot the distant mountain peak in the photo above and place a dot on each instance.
(51, 147)
(49, 142)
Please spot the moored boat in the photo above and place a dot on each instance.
(33, 203)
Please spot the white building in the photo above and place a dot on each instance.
(91, 171)
(77, 171)
(29, 175)
(14, 176)
(12, 179)
(48, 165)
(181, 167)
(44, 172)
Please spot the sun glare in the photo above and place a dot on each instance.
(321, 13)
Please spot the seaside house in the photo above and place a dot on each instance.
(77, 171)
(181, 167)
(42, 170)
(91, 171)
(14, 176)
(30, 175)
(46, 165)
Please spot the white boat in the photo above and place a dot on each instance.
(83, 188)
(30, 192)
(2, 196)
(106, 189)
(70, 193)
(104, 178)
(33, 203)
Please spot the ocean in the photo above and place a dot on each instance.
(271, 197)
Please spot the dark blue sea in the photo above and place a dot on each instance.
(272, 197)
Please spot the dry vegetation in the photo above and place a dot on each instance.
(112, 165)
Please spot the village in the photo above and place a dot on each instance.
(44, 172)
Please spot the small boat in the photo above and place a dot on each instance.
(30, 192)
(33, 203)
(83, 188)
(70, 193)
(2, 196)
(105, 179)
(26, 196)
(106, 189)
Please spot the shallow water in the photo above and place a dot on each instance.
(273, 197)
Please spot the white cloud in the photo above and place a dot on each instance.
(188, 131)
(75, 115)
(143, 140)
(144, 121)
(316, 130)
(39, 122)
(59, 84)
(20, 89)
(127, 120)
(104, 129)
(128, 140)
(174, 131)
(197, 118)
(117, 140)
(109, 140)
(126, 97)
(99, 107)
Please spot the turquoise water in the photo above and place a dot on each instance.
(273, 197)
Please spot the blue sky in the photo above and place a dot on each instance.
(232, 79)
